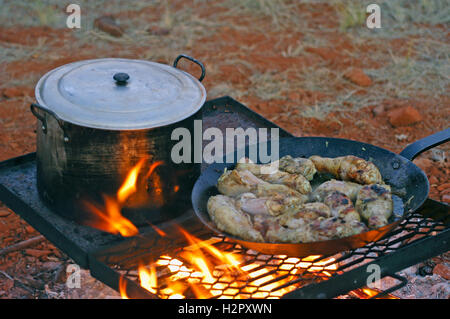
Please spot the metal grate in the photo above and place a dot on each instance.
(265, 276)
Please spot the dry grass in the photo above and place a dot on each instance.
(424, 71)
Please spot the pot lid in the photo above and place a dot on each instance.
(120, 94)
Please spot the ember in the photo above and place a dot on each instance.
(208, 269)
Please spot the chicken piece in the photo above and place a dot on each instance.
(334, 227)
(275, 233)
(279, 190)
(341, 206)
(298, 165)
(274, 206)
(349, 189)
(234, 182)
(374, 204)
(349, 168)
(295, 181)
(228, 218)
(305, 214)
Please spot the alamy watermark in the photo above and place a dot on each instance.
(189, 149)
(374, 19)
(374, 279)
(73, 280)
(73, 21)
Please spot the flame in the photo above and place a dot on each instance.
(109, 217)
(203, 270)
(368, 293)
(147, 278)
(123, 288)
(152, 168)
(158, 230)
(129, 185)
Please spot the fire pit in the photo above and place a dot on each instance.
(182, 259)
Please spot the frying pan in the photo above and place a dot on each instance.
(407, 181)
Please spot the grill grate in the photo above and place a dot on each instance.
(260, 275)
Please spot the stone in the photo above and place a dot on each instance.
(108, 24)
(17, 91)
(404, 116)
(358, 77)
(443, 186)
(442, 270)
(446, 198)
(433, 180)
(378, 110)
(155, 30)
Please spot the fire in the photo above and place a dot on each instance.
(123, 288)
(204, 270)
(109, 217)
(129, 186)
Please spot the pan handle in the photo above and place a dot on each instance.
(413, 150)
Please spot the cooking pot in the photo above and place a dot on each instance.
(97, 119)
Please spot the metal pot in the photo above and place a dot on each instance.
(98, 119)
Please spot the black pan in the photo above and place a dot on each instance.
(407, 181)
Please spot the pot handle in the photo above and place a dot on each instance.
(413, 150)
(42, 118)
(175, 63)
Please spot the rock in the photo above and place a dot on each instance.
(29, 229)
(325, 53)
(401, 137)
(446, 198)
(442, 270)
(433, 180)
(443, 186)
(294, 96)
(424, 163)
(13, 92)
(4, 211)
(358, 77)
(438, 155)
(378, 110)
(108, 24)
(155, 30)
(404, 116)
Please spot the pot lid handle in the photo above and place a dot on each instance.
(175, 63)
(121, 78)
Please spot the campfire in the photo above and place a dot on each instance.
(217, 268)
(214, 267)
